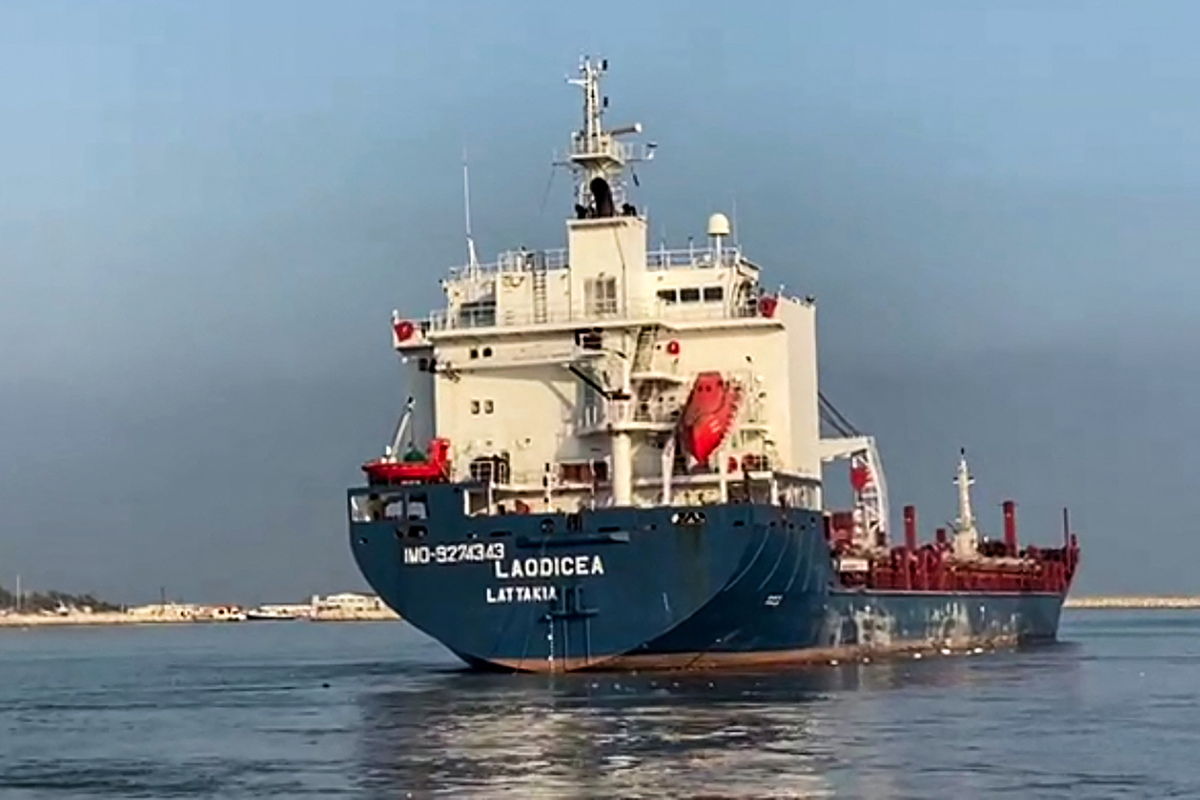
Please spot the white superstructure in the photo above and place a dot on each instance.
(559, 377)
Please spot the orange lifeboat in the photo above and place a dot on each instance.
(708, 415)
(433, 468)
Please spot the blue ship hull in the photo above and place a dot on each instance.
(646, 588)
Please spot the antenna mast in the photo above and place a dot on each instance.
(597, 154)
(472, 260)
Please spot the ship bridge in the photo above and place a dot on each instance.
(529, 288)
(609, 373)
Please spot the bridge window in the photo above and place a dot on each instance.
(479, 314)
(600, 296)
(583, 471)
(668, 295)
(690, 295)
(713, 294)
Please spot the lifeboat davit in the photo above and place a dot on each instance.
(433, 468)
(708, 415)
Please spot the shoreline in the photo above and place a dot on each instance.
(1099, 602)
(1133, 602)
(121, 618)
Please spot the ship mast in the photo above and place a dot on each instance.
(596, 154)
(598, 160)
(966, 537)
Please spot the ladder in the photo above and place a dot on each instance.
(643, 352)
(539, 293)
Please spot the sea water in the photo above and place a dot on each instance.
(377, 710)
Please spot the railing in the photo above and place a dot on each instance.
(531, 260)
(608, 145)
(602, 145)
(653, 412)
(515, 261)
(702, 258)
(650, 310)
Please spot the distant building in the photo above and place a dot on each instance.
(348, 602)
(165, 611)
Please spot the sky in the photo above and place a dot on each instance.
(208, 210)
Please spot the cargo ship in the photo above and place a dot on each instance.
(612, 457)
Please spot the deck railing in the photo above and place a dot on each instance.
(663, 258)
(487, 316)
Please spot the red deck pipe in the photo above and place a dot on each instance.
(910, 528)
(910, 547)
(1010, 527)
(941, 535)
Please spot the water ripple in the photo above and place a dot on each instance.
(378, 711)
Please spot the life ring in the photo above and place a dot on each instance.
(404, 330)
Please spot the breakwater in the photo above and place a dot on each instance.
(1133, 602)
(345, 607)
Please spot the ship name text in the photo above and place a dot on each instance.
(550, 567)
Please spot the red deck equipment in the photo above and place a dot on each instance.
(1010, 528)
(434, 468)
